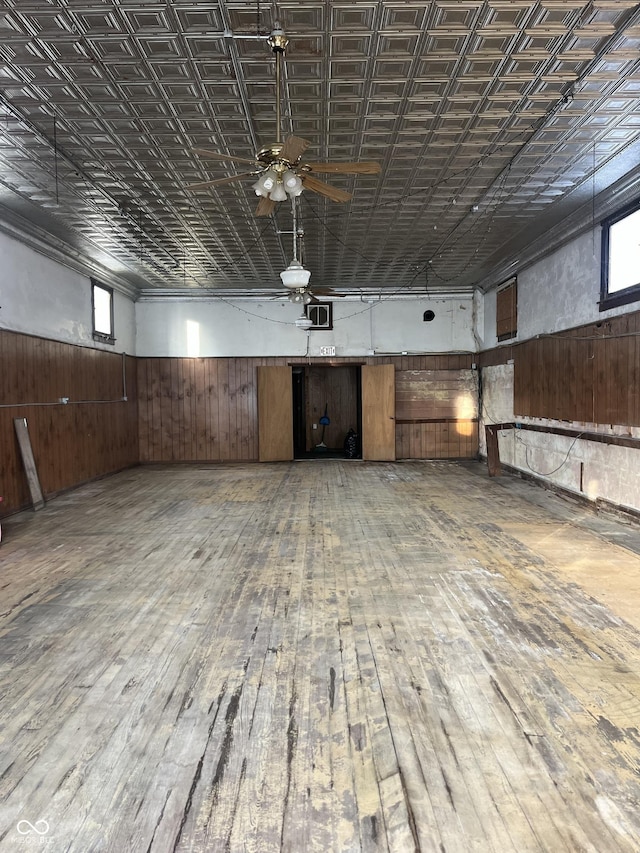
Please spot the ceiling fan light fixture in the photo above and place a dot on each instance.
(265, 183)
(289, 178)
(278, 192)
(303, 322)
(295, 277)
(292, 183)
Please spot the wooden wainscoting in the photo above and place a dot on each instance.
(436, 414)
(205, 409)
(178, 409)
(72, 443)
(589, 374)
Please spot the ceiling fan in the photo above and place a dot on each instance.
(281, 173)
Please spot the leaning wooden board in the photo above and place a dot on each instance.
(22, 432)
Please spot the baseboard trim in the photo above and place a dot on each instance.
(596, 505)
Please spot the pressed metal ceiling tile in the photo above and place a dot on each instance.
(405, 17)
(198, 20)
(343, 94)
(344, 69)
(172, 71)
(445, 94)
(304, 69)
(349, 16)
(436, 68)
(352, 46)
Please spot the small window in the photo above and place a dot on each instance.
(620, 275)
(320, 314)
(507, 311)
(102, 308)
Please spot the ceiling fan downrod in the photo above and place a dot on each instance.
(278, 42)
(296, 278)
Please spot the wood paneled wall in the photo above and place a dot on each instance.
(437, 440)
(71, 443)
(590, 374)
(507, 311)
(178, 409)
(436, 414)
(199, 409)
(586, 374)
(436, 394)
(205, 409)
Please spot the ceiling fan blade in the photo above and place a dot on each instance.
(327, 291)
(218, 182)
(363, 168)
(293, 148)
(265, 207)
(327, 190)
(214, 155)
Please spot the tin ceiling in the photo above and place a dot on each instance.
(493, 122)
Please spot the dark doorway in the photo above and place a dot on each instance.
(320, 388)
(299, 420)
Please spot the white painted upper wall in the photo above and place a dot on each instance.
(556, 293)
(43, 297)
(213, 327)
(40, 296)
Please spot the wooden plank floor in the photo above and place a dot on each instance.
(319, 656)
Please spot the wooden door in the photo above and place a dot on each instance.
(378, 412)
(275, 414)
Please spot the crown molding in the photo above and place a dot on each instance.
(31, 235)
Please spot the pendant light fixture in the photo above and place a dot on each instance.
(303, 322)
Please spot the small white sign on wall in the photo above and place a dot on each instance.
(327, 350)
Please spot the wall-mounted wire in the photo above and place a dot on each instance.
(555, 470)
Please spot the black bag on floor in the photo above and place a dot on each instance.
(351, 445)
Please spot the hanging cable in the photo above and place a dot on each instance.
(555, 470)
(124, 376)
(55, 156)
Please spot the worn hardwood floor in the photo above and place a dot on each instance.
(318, 656)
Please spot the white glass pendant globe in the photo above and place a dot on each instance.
(295, 277)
